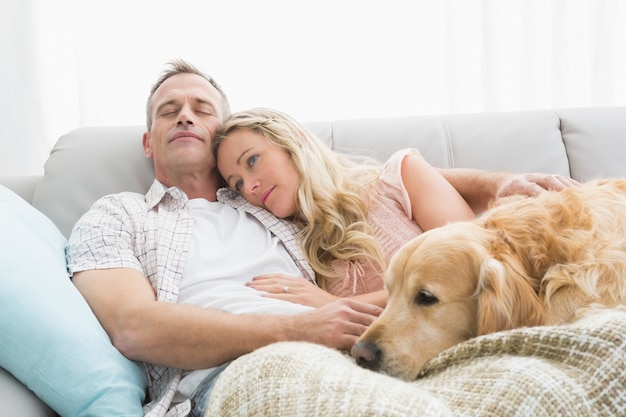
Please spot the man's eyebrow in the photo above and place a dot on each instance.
(204, 101)
(197, 100)
(165, 103)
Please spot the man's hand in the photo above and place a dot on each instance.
(480, 188)
(532, 184)
(338, 324)
(190, 337)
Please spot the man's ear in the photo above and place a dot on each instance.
(147, 144)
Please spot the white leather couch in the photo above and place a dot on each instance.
(93, 161)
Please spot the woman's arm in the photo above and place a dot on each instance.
(301, 291)
(434, 201)
(479, 188)
(378, 298)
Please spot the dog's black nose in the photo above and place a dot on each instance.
(367, 355)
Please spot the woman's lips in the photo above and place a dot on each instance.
(267, 193)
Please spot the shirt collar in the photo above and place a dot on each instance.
(159, 192)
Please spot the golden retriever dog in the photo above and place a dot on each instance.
(525, 262)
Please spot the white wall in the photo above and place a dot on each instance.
(71, 63)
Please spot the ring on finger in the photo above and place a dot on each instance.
(286, 289)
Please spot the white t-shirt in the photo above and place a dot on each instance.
(228, 248)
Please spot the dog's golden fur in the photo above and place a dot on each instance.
(526, 262)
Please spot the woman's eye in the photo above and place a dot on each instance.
(252, 160)
(238, 185)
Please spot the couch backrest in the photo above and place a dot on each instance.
(90, 162)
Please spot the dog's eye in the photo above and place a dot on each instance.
(425, 298)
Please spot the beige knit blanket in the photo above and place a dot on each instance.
(578, 369)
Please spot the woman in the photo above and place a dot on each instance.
(353, 215)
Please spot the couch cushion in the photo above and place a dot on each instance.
(86, 164)
(523, 141)
(17, 400)
(51, 341)
(596, 141)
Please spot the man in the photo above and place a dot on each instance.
(165, 272)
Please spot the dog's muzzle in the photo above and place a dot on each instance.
(367, 355)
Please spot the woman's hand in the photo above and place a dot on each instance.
(294, 289)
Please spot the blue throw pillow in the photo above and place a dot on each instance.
(50, 339)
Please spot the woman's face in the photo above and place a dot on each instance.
(260, 171)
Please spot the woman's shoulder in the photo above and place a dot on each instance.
(398, 156)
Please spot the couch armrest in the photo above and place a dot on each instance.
(23, 185)
(17, 400)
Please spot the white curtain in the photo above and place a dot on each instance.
(72, 63)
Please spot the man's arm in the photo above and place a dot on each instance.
(479, 187)
(189, 337)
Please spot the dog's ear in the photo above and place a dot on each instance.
(506, 298)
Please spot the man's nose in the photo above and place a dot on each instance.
(185, 117)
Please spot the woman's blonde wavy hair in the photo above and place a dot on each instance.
(333, 197)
